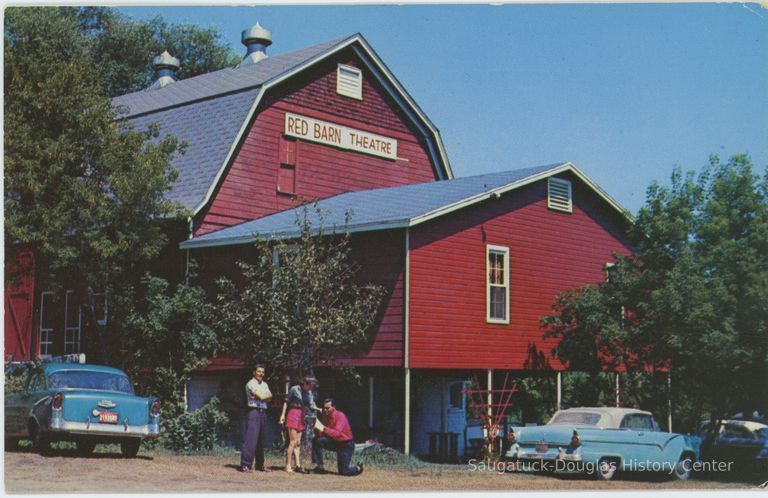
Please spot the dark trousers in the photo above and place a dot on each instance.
(253, 443)
(343, 449)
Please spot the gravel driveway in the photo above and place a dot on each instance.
(63, 471)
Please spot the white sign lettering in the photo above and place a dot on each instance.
(336, 135)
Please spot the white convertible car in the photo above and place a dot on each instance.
(602, 441)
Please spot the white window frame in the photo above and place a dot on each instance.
(607, 269)
(102, 320)
(72, 334)
(559, 183)
(45, 333)
(505, 251)
(353, 88)
(451, 407)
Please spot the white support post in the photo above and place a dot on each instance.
(370, 402)
(559, 390)
(407, 429)
(669, 401)
(407, 344)
(617, 389)
(490, 394)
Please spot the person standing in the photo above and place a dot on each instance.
(299, 404)
(335, 434)
(258, 394)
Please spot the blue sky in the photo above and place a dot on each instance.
(625, 92)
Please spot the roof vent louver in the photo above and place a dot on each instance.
(165, 66)
(559, 195)
(256, 40)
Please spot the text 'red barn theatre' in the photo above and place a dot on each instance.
(469, 264)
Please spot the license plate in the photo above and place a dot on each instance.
(542, 447)
(108, 418)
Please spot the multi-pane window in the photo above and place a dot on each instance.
(498, 284)
(73, 320)
(46, 323)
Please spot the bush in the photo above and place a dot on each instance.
(194, 431)
(14, 382)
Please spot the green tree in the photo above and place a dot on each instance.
(691, 298)
(83, 191)
(167, 335)
(124, 48)
(297, 302)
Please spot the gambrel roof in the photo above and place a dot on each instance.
(390, 207)
(213, 111)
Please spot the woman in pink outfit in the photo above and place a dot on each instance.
(299, 402)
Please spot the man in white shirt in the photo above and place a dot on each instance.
(258, 394)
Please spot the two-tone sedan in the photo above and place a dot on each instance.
(601, 441)
(87, 404)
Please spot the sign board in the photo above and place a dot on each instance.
(340, 136)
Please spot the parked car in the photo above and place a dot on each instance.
(87, 404)
(602, 441)
(743, 442)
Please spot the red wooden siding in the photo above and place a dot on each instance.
(249, 189)
(549, 252)
(19, 306)
(381, 258)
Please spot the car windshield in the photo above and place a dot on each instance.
(576, 418)
(85, 379)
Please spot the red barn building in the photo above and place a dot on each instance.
(469, 264)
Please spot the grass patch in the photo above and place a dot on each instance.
(383, 456)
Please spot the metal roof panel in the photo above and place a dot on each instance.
(209, 128)
(366, 210)
(216, 83)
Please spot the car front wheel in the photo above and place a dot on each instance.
(682, 471)
(607, 469)
(130, 447)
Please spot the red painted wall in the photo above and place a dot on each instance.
(19, 306)
(381, 258)
(249, 188)
(550, 252)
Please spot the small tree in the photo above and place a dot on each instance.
(297, 302)
(167, 336)
(692, 298)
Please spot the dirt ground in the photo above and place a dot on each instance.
(62, 471)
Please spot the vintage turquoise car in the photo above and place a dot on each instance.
(87, 404)
(603, 442)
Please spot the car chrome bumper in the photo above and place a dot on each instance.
(530, 455)
(144, 431)
(562, 455)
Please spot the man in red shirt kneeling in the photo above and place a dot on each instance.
(334, 433)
